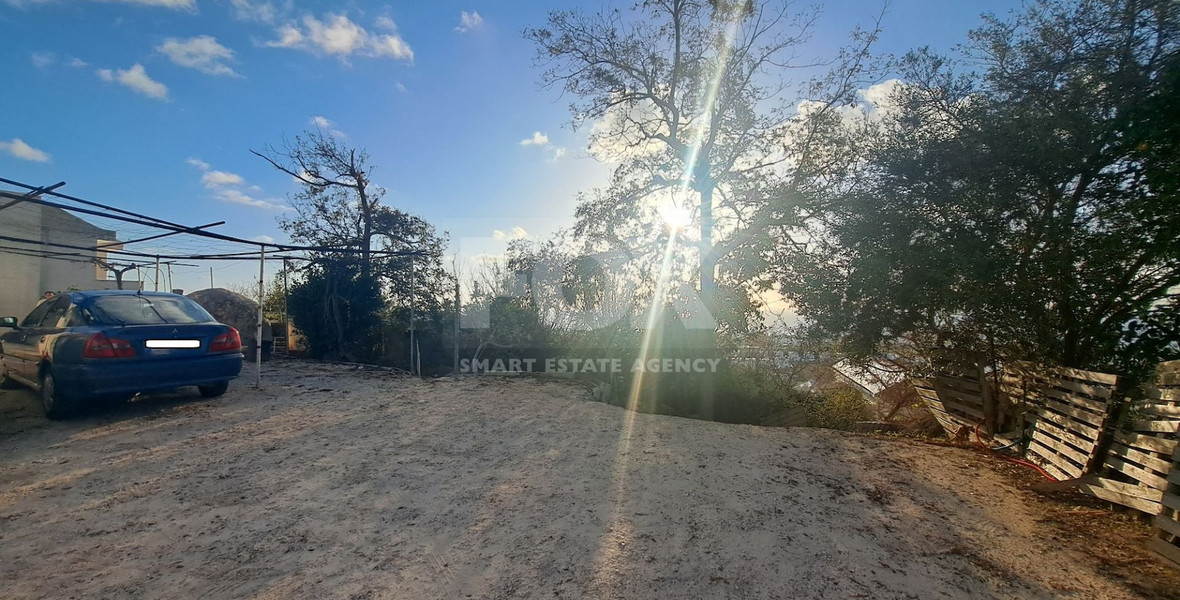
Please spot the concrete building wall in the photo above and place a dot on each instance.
(23, 279)
(20, 276)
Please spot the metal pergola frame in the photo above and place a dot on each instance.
(58, 251)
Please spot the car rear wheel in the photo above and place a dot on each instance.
(56, 403)
(213, 390)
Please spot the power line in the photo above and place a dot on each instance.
(139, 219)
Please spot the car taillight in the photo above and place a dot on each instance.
(101, 346)
(226, 342)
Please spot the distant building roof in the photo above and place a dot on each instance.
(874, 376)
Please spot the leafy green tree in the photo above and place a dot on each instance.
(1027, 211)
(373, 276)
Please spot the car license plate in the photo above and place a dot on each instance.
(173, 344)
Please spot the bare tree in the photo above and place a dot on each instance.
(118, 269)
(325, 165)
(690, 96)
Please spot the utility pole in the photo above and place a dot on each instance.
(286, 313)
(413, 280)
(210, 277)
(258, 330)
(170, 288)
(458, 311)
(157, 282)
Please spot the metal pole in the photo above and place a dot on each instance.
(210, 277)
(258, 330)
(157, 273)
(170, 288)
(458, 310)
(412, 283)
(286, 313)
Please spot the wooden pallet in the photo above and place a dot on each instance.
(1070, 409)
(1167, 522)
(1138, 462)
(955, 402)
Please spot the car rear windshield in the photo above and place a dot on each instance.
(146, 310)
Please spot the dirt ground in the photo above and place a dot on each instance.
(337, 483)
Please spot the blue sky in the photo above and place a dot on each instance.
(153, 105)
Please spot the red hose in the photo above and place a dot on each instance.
(1010, 459)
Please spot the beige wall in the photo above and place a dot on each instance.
(24, 278)
(20, 276)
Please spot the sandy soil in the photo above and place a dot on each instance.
(337, 483)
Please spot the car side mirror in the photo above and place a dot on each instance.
(8, 322)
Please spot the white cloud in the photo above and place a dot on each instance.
(18, 148)
(516, 233)
(326, 125)
(235, 196)
(289, 37)
(42, 60)
(227, 187)
(137, 79)
(173, 4)
(542, 140)
(198, 163)
(266, 239)
(202, 53)
(469, 21)
(214, 179)
(186, 5)
(401, 87)
(339, 36)
(538, 139)
(259, 12)
(386, 23)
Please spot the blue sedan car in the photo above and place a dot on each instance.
(80, 347)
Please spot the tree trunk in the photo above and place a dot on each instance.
(708, 295)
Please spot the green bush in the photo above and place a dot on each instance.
(837, 408)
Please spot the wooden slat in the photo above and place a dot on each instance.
(927, 393)
(1068, 398)
(967, 385)
(1051, 427)
(1094, 418)
(1123, 499)
(1097, 391)
(1136, 472)
(1167, 525)
(1165, 549)
(1171, 366)
(1091, 376)
(1079, 457)
(1159, 465)
(960, 395)
(978, 414)
(1157, 426)
(1167, 395)
(1130, 489)
(1172, 501)
(1077, 428)
(1160, 410)
(1146, 442)
(1055, 471)
(1055, 459)
(1168, 379)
